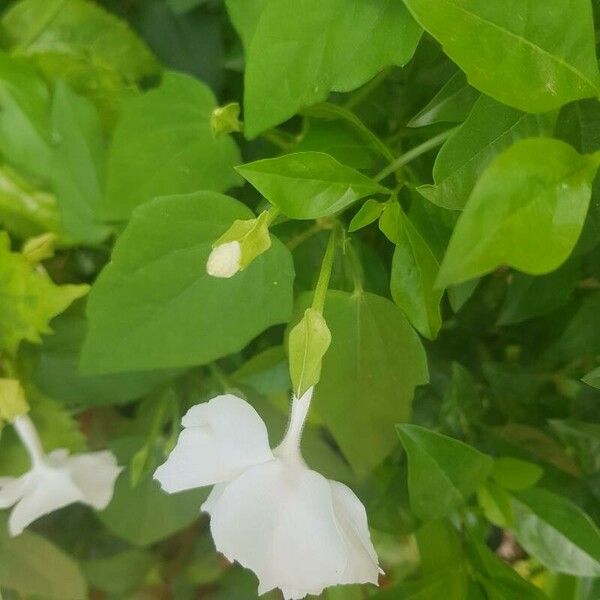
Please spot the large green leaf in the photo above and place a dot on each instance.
(163, 144)
(414, 270)
(328, 45)
(557, 533)
(532, 55)
(77, 31)
(442, 472)
(368, 375)
(78, 161)
(527, 210)
(155, 306)
(28, 298)
(33, 566)
(489, 129)
(308, 185)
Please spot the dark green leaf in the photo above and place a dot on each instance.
(582, 439)
(442, 472)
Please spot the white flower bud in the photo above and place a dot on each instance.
(297, 530)
(225, 260)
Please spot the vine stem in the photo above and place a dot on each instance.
(325, 274)
(413, 153)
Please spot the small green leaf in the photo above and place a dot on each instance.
(518, 56)
(163, 144)
(515, 474)
(414, 271)
(452, 104)
(527, 210)
(442, 472)
(557, 533)
(489, 129)
(32, 566)
(331, 45)
(29, 298)
(496, 504)
(308, 185)
(369, 212)
(154, 306)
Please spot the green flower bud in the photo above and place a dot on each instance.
(225, 119)
(307, 343)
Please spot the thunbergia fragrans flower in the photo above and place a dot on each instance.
(297, 530)
(55, 480)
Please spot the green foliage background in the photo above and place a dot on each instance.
(454, 144)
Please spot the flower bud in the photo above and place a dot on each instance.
(225, 119)
(239, 246)
(224, 260)
(12, 400)
(307, 343)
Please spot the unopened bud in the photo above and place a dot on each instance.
(225, 119)
(12, 400)
(307, 343)
(225, 260)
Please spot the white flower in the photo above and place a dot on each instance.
(297, 530)
(55, 480)
(225, 260)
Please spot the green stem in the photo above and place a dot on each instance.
(325, 274)
(414, 153)
(357, 269)
(365, 91)
(271, 215)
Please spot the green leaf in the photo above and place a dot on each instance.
(579, 125)
(529, 297)
(582, 440)
(308, 185)
(452, 104)
(557, 533)
(163, 144)
(373, 364)
(527, 210)
(496, 504)
(120, 573)
(29, 298)
(593, 378)
(442, 472)
(369, 212)
(514, 474)
(414, 271)
(244, 15)
(54, 369)
(490, 128)
(330, 45)
(24, 210)
(78, 31)
(155, 306)
(518, 54)
(78, 162)
(24, 118)
(32, 566)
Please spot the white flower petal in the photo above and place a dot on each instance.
(48, 489)
(221, 439)
(12, 489)
(95, 475)
(277, 519)
(351, 516)
(225, 260)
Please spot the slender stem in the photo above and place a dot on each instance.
(325, 274)
(299, 239)
(414, 153)
(31, 440)
(357, 269)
